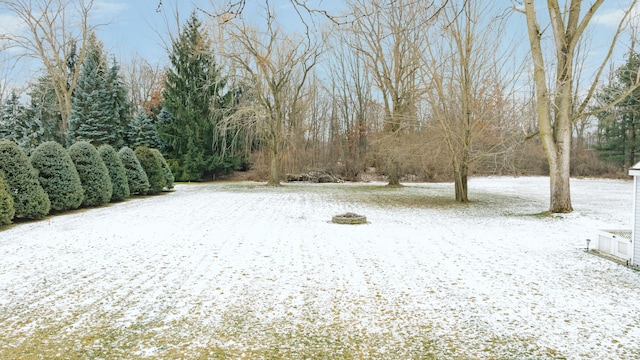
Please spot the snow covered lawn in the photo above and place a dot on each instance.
(238, 270)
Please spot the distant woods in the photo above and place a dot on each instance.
(405, 90)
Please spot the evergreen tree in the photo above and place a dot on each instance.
(143, 131)
(58, 176)
(99, 108)
(9, 113)
(119, 103)
(619, 127)
(19, 124)
(43, 111)
(136, 177)
(6, 203)
(94, 175)
(168, 175)
(193, 95)
(153, 168)
(119, 183)
(30, 201)
(29, 131)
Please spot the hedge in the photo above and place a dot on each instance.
(166, 170)
(58, 176)
(6, 203)
(136, 177)
(151, 165)
(30, 201)
(119, 183)
(94, 175)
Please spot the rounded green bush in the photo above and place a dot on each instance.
(58, 176)
(152, 168)
(94, 175)
(119, 183)
(137, 178)
(30, 201)
(6, 203)
(166, 170)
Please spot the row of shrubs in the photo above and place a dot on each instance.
(55, 179)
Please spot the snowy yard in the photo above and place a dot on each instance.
(238, 270)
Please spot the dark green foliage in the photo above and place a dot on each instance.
(193, 107)
(168, 175)
(6, 203)
(152, 167)
(143, 131)
(136, 176)
(44, 111)
(93, 174)
(99, 107)
(30, 201)
(58, 176)
(18, 124)
(119, 183)
(9, 111)
(619, 127)
(119, 104)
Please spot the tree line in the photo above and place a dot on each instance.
(428, 90)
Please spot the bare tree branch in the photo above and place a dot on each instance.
(55, 33)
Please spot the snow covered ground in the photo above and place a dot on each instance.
(238, 270)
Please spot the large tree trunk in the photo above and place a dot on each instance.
(393, 163)
(560, 190)
(394, 179)
(461, 187)
(274, 168)
(275, 151)
(555, 125)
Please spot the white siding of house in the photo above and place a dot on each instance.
(635, 255)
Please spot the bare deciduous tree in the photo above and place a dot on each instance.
(467, 77)
(352, 103)
(273, 67)
(555, 102)
(389, 35)
(55, 32)
(142, 79)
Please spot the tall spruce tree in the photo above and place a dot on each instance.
(99, 106)
(193, 91)
(619, 127)
(120, 106)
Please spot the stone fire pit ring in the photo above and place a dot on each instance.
(349, 219)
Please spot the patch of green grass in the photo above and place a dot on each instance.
(384, 196)
(241, 336)
(236, 337)
(428, 196)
